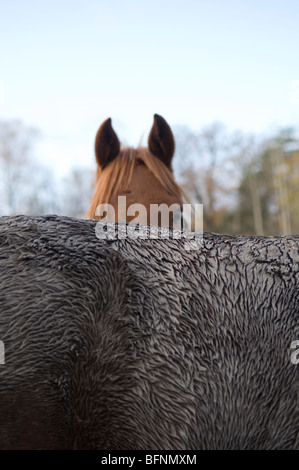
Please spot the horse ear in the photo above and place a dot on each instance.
(107, 145)
(161, 141)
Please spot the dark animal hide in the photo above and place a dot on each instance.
(140, 344)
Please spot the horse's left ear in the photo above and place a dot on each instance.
(107, 145)
(161, 141)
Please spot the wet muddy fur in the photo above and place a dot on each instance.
(140, 344)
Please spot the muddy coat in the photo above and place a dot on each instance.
(142, 344)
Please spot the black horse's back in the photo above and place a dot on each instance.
(142, 344)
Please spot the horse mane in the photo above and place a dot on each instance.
(119, 173)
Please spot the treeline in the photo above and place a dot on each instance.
(30, 188)
(247, 183)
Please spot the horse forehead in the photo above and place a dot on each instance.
(147, 189)
(142, 176)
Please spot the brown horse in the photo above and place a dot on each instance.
(143, 176)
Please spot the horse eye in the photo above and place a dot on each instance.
(127, 192)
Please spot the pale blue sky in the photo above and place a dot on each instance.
(65, 66)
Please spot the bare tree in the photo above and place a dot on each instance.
(26, 186)
(210, 170)
(15, 146)
(76, 192)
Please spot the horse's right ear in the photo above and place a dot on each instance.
(107, 145)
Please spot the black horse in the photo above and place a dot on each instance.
(141, 344)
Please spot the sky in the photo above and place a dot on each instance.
(65, 66)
